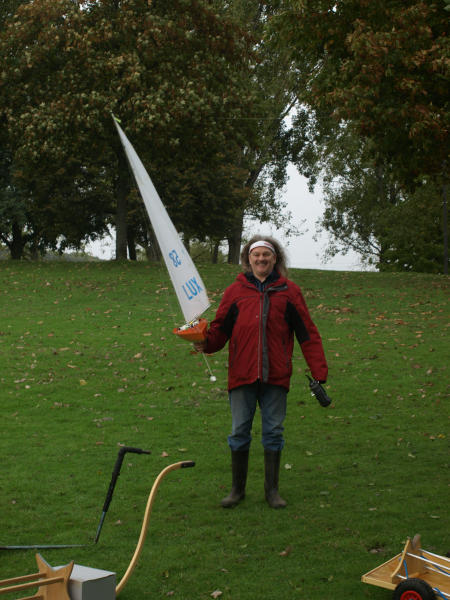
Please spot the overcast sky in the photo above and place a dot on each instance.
(303, 251)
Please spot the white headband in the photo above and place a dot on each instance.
(262, 243)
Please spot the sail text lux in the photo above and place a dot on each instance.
(191, 288)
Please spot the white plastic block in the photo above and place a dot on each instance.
(87, 583)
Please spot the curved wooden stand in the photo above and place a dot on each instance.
(148, 509)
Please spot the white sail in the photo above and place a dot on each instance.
(189, 287)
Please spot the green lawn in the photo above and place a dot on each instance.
(88, 362)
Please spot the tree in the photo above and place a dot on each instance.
(12, 207)
(380, 71)
(367, 211)
(382, 68)
(8, 9)
(168, 70)
(266, 150)
(60, 198)
(417, 244)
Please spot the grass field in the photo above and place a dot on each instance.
(88, 362)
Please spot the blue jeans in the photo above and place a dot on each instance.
(272, 403)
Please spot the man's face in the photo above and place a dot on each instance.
(262, 261)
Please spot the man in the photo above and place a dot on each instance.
(258, 315)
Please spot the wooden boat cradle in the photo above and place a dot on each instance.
(413, 562)
(53, 584)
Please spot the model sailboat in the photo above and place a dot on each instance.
(189, 287)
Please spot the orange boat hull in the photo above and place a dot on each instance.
(195, 333)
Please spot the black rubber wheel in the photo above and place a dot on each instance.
(414, 589)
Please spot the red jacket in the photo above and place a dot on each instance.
(260, 326)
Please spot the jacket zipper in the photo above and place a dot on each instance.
(262, 326)
(260, 332)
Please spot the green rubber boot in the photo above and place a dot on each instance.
(272, 470)
(239, 469)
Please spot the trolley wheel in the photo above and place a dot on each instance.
(414, 589)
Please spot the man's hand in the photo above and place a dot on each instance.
(200, 346)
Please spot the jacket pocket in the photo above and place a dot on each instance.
(233, 352)
(286, 356)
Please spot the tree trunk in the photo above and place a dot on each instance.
(18, 243)
(151, 247)
(234, 240)
(121, 191)
(34, 247)
(131, 244)
(215, 253)
(445, 219)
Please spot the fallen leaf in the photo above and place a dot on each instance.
(216, 594)
(164, 454)
(286, 551)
